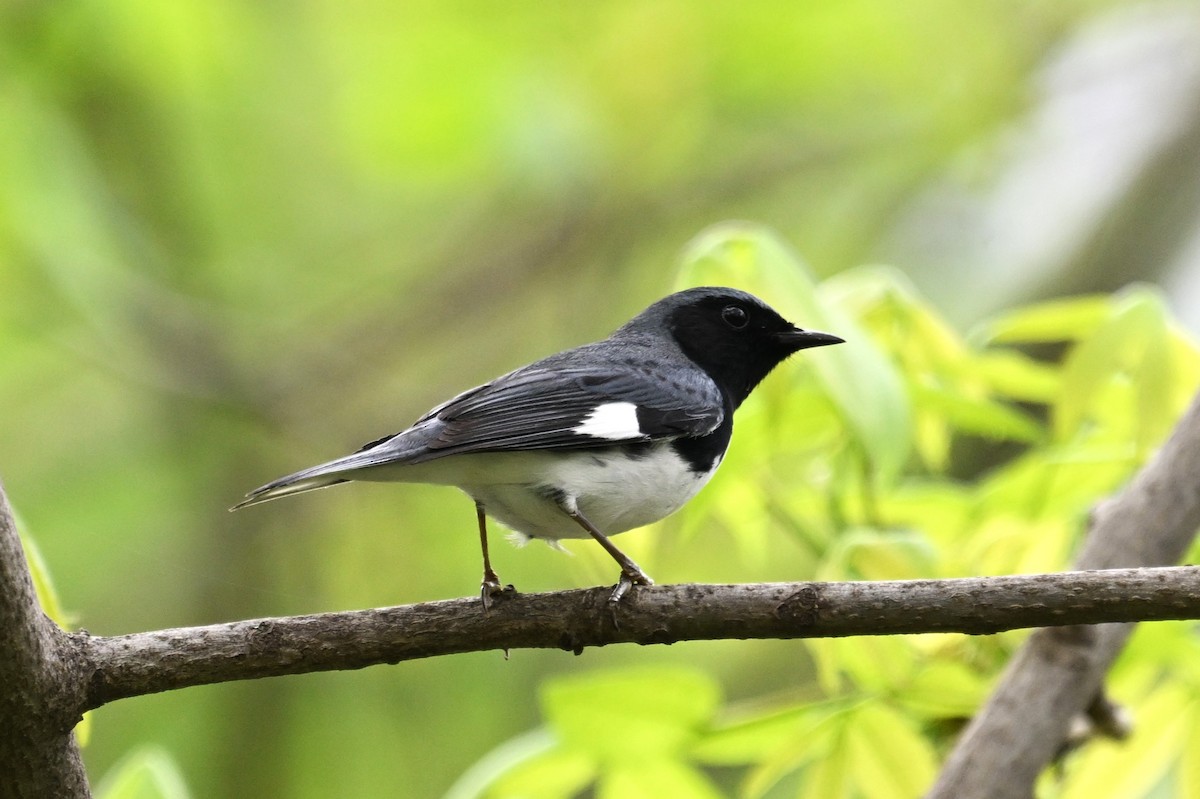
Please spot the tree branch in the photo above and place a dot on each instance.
(1058, 672)
(39, 690)
(142, 663)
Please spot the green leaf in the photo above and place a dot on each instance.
(1170, 647)
(1006, 544)
(943, 689)
(551, 775)
(147, 773)
(1011, 374)
(814, 732)
(1057, 320)
(1127, 339)
(749, 739)
(894, 313)
(870, 554)
(630, 715)
(938, 508)
(932, 440)
(862, 383)
(524, 766)
(977, 415)
(655, 780)
(831, 776)
(737, 500)
(872, 664)
(1062, 480)
(891, 759)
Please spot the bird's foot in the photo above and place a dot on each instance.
(491, 591)
(629, 578)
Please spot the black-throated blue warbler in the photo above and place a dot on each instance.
(595, 440)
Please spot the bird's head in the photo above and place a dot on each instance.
(733, 336)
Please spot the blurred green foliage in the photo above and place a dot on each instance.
(146, 773)
(236, 239)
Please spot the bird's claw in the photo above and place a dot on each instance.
(491, 591)
(628, 580)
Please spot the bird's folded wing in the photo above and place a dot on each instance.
(535, 408)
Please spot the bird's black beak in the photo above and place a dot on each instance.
(798, 339)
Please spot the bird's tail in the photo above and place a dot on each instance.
(320, 476)
(285, 487)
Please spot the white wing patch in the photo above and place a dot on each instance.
(613, 421)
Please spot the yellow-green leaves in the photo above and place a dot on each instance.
(889, 756)
(1069, 319)
(1128, 371)
(630, 715)
(652, 732)
(630, 732)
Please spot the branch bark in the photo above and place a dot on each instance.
(1059, 671)
(142, 663)
(39, 688)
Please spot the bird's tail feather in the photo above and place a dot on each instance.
(320, 476)
(277, 489)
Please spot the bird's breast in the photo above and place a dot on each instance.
(616, 488)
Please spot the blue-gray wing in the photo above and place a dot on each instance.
(555, 407)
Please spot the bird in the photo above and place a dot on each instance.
(592, 441)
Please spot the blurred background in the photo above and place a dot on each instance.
(237, 239)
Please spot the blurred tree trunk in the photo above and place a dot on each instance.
(38, 754)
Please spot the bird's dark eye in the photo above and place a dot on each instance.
(735, 317)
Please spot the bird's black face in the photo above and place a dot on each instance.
(736, 338)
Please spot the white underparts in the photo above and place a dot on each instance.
(533, 493)
(613, 421)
